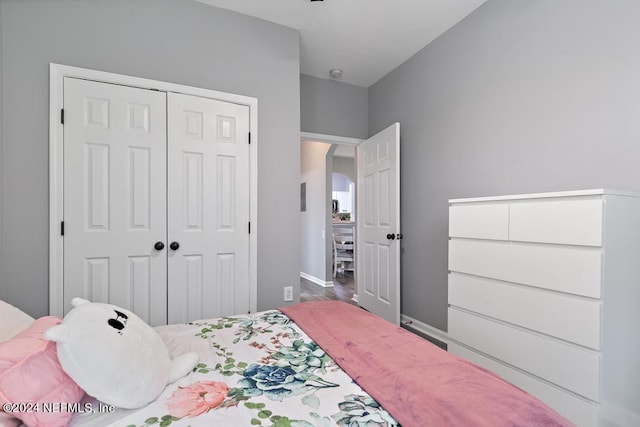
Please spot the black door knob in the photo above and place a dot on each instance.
(391, 236)
(400, 236)
(174, 246)
(158, 246)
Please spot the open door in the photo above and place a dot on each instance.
(378, 224)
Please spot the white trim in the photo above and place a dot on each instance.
(331, 139)
(576, 193)
(316, 280)
(56, 199)
(423, 328)
(354, 298)
(57, 73)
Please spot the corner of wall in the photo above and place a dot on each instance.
(613, 415)
(2, 157)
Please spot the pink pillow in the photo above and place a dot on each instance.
(31, 374)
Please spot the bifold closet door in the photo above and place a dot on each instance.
(115, 197)
(208, 208)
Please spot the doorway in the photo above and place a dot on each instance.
(377, 235)
(343, 289)
(330, 204)
(342, 262)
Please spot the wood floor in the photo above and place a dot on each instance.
(342, 290)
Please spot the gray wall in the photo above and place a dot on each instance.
(521, 96)
(313, 222)
(2, 177)
(178, 41)
(346, 166)
(333, 108)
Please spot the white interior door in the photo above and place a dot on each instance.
(115, 197)
(208, 208)
(378, 224)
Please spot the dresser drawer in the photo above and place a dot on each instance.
(564, 221)
(571, 269)
(565, 365)
(563, 316)
(579, 411)
(479, 221)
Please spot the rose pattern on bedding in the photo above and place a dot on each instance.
(286, 370)
(197, 398)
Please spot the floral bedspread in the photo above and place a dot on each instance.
(256, 370)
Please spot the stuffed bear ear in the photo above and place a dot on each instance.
(58, 333)
(79, 301)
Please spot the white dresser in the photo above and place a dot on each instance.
(544, 290)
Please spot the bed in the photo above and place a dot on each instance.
(322, 364)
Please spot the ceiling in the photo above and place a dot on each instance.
(365, 38)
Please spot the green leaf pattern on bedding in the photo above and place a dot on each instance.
(287, 370)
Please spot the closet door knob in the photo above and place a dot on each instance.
(391, 236)
(158, 246)
(174, 246)
(400, 236)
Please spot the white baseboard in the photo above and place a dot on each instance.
(354, 298)
(316, 280)
(423, 328)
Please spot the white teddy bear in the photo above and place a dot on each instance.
(114, 355)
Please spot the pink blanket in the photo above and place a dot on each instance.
(415, 381)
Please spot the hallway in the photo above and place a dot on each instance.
(342, 290)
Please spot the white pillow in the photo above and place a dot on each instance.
(12, 321)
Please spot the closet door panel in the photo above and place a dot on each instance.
(115, 197)
(208, 208)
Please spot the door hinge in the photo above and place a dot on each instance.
(249, 137)
(62, 228)
(62, 116)
(249, 227)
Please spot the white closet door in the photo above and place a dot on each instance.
(208, 208)
(115, 197)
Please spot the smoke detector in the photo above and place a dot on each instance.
(335, 73)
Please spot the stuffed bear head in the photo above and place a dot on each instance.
(114, 355)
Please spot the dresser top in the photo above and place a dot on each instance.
(577, 193)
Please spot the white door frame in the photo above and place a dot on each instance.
(340, 140)
(57, 73)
